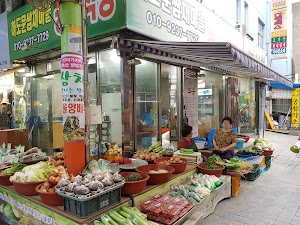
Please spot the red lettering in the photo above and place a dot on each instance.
(91, 10)
(107, 9)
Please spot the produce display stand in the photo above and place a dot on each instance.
(38, 213)
(201, 210)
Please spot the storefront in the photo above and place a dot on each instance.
(145, 89)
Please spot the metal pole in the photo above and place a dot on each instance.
(85, 77)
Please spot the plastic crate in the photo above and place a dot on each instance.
(252, 176)
(268, 159)
(84, 209)
(262, 163)
(235, 186)
(262, 170)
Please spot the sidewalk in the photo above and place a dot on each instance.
(274, 198)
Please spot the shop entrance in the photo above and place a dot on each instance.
(44, 118)
(169, 102)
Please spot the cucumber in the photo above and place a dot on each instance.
(104, 220)
(116, 217)
(124, 214)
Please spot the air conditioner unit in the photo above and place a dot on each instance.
(241, 28)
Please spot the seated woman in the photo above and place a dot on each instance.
(186, 141)
(225, 139)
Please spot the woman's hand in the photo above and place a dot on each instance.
(223, 149)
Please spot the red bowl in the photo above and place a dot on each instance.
(134, 187)
(4, 180)
(217, 172)
(49, 198)
(156, 178)
(246, 138)
(268, 152)
(26, 188)
(179, 167)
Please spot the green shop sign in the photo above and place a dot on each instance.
(31, 32)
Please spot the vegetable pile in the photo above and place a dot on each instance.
(12, 169)
(58, 173)
(205, 183)
(235, 164)
(33, 173)
(33, 154)
(88, 185)
(157, 171)
(188, 192)
(124, 215)
(212, 166)
(47, 187)
(157, 148)
(166, 209)
(133, 177)
(174, 159)
(146, 155)
(186, 151)
(122, 161)
(262, 144)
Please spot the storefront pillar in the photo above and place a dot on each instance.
(72, 77)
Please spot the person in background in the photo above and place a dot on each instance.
(5, 114)
(225, 139)
(186, 141)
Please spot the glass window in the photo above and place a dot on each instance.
(146, 104)
(261, 28)
(209, 102)
(169, 103)
(246, 104)
(110, 94)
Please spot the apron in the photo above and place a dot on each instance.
(193, 146)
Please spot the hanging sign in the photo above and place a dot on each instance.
(295, 108)
(31, 32)
(73, 96)
(279, 29)
(190, 111)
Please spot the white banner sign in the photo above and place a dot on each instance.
(190, 111)
(73, 96)
(4, 49)
(186, 21)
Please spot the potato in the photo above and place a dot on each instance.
(163, 171)
(153, 172)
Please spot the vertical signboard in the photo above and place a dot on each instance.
(190, 111)
(4, 53)
(295, 108)
(73, 96)
(279, 29)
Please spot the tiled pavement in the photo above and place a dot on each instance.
(274, 198)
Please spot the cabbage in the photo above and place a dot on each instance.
(39, 165)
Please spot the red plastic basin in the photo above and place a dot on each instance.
(27, 189)
(134, 187)
(156, 178)
(217, 172)
(49, 198)
(179, 167)
(268, 152)
(4, 180)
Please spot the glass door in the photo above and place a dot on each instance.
(169, 102)
(147, 114)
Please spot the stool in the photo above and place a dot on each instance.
(235, 185)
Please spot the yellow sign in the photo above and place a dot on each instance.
(270, 120)
(279, 4)
(295, 108)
